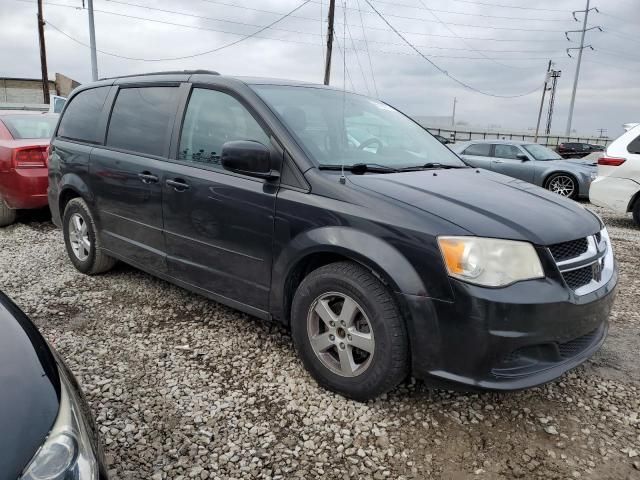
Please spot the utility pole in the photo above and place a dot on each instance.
(602, 131)
(579, 62)
(327, 65)
(544, 92)
(554, 75)
(43, 56)
(92, 42)
(453, 116)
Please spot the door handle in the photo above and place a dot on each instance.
(147, 177)
(498, 161)
(178, 185)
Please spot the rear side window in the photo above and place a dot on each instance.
(142, 119)
(634, 146)
(479, 150)
(81, 117)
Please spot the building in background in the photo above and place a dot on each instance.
(26, 93)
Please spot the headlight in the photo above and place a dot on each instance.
(490, 262)
(67, 453)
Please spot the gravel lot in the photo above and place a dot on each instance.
(185, 388)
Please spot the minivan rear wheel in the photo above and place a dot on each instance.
(7, 215)
(81, 240)
(348, 331)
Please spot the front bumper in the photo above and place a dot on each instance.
(24, 188)
(509, 338)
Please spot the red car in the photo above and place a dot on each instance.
(24, 140)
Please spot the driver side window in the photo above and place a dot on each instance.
(506, 151)
(212, 119)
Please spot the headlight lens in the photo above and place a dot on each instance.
(67, 453)
(490, 262)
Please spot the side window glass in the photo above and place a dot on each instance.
(634, 146)
(479, 150)
(506, 151)
(142, 119)
(213, 118)
(80, 120)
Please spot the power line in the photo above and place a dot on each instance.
(441, 70)
(217, 49)
(486, 4)
(366, 43)
(355, 52)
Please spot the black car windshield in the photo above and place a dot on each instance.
(540, 152)
(24, 126)
(338, 128)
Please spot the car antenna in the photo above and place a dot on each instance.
(343, 179)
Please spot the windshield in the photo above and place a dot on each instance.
(540, 152)
(30, 126)
(336, 128)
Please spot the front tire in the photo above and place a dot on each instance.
(7, 215)
(563, 184)
(348, 331)
(81, 239)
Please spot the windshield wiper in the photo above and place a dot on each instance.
(431, 165)
(360, 168)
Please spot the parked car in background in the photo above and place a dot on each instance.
(618, 184)
(47, 429)
(386, 258)
(24, 139)
(577, 149)
(532, 163)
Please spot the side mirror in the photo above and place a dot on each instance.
(248, 158)
(523, 157)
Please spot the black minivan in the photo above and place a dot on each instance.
(338, 216)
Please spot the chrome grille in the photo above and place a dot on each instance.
(565, 250)
(578, 278)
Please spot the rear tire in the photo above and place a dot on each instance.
(366, 352)
(7, 215)
(636, 211)
(81, 239)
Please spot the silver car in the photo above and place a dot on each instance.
(532, 163)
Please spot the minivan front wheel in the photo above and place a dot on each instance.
(349, 332)
(81, 240)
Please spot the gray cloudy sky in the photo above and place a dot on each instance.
(503, 56)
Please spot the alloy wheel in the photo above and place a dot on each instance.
(79, 237)
(562, 185)
(340, 334)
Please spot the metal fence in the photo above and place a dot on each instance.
(547, 140)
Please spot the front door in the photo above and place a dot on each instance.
(505, 160)
(125, 174)
(218, 225)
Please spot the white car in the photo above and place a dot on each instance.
(617, 186)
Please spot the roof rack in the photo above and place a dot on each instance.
(170, 72)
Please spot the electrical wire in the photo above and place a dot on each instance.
(366, 43)
(443, 71)
(355, 52)
(213, 50)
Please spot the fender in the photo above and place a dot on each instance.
(364, 248)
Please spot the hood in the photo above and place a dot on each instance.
(590, 160)
(29, 389)
(487, 204)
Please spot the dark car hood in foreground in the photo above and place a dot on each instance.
(487, 204)
(29, 390)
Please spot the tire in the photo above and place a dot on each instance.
(376, 325)
(563, 184)
(81, 240)
(636, 211)
(7, 215)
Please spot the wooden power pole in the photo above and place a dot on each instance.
(43, 56)
(327, 65)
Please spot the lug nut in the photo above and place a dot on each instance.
(332, 337)
(343, 323)
(342, 345)
(332, 323)
(349, 337)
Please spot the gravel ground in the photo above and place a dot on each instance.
(185, 388)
